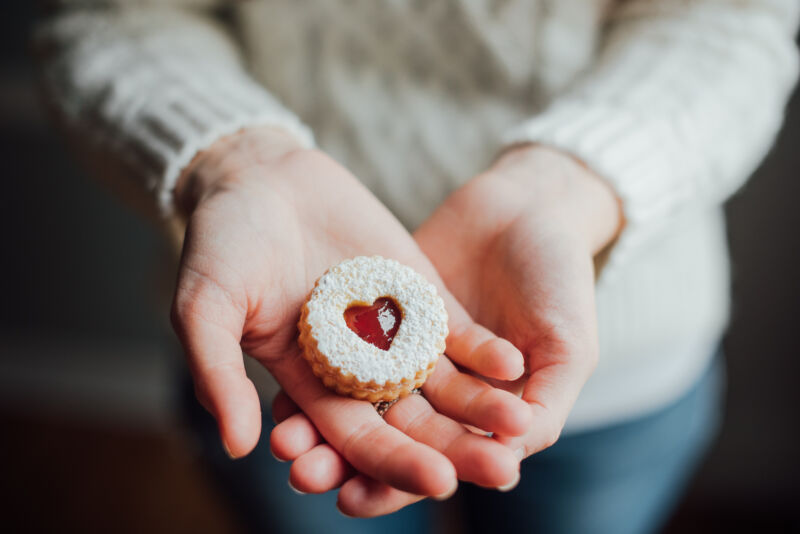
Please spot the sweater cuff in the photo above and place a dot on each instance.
(637, 153)
(189, 119)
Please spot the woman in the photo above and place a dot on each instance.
(527, 144)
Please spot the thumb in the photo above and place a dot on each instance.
(478, 348)
(209, 328)
(468, 343)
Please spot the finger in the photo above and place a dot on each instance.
(293, 437)
(319, 470)
(477, 459)
(473, 401)
(470, 344)
(362, 437)
(364, 497)
(477, 348)
(209, 328)
(550, 392)
(559, 338)
(283, 407)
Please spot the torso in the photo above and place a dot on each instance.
(414, 96)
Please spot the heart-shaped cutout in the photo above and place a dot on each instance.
(376, 324)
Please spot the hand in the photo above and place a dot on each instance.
(266, 219)
(515, 246)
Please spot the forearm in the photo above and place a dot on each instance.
(682, 103)
(143, 89)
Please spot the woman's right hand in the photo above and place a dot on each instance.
(265, 219)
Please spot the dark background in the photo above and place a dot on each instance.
(88, 435)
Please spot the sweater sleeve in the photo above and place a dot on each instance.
(140, 90)
(680, 106)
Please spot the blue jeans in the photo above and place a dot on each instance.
(620, 479)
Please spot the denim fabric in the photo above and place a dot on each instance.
(257, 488)
(621, 479)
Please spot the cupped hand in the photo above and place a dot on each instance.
(265, 219)
(515, 245)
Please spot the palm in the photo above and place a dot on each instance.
(523, 287)
(527, 280)
(254, 247)
(282, 246)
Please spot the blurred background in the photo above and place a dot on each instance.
(89, 436)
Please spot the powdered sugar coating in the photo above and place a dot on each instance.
(420, 338)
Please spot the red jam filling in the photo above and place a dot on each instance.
(376, 324)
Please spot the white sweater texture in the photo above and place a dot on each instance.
(673, 102)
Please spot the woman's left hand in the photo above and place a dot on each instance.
(515, 246)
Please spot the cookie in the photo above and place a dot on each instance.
(373, 329)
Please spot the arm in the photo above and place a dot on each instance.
(141, 90)
(682, 104)
(156, 91)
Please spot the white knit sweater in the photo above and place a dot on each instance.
(674, 102)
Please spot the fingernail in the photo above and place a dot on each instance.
(297, 491)
(273, 455)
(344, 514)
(447, 494)
(521, 372)
(520, 454)
(228, 450)
(520, 369)
(511, 485)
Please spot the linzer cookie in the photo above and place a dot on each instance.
(373, 329)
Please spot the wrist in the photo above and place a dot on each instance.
(560, 188)
(227, 159)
